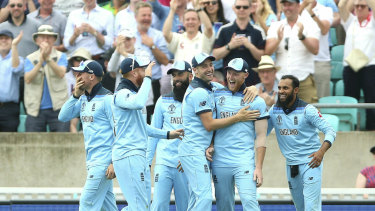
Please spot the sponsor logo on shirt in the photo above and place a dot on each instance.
(288, 132)
(176, 120)
(93, 107)
(83, 107)
(87, 119)
(156, 177)
(142, 177)
(203, 103)
(295, 120)
(226, 114)
(205, 168)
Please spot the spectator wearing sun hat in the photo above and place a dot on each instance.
(45, 84)
(268, 82)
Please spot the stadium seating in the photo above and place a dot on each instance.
(21, 127)
(337, 54)
(333, 36)
(339, 88)
(333, 120)
(347, 116)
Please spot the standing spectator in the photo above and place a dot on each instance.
(31, 6)
(151, 42)
(360, 34)
(162, 13)
(323, 16)
(295, 41)
(268, 82)
(184, 46)
(90, 27)
(240, 39)
(115, 6)
(276, 7)
(366, 178)
(67, 6)
(45, 84)
(46, 15)
(17, 22)
(262, 14)
(11, 68)
(125, 19)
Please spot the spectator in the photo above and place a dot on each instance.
(47, 15)
(268, 86)
(295, 41)
(215, 12)
(152, 44)
(262, 14)
(31, 6)
(67, 6)
(128, 15)
(276, 7)
(162, 13)
(192, 42)
(360, 35)
(229, 14)
(11, 68)
(240, 39)
(115, 6)
(323, 16)
(17, 22)
(80, 55)
(366, 178)
(90, 27)
(45, 84)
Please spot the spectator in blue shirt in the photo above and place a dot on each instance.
(296, 124)
(11, 68)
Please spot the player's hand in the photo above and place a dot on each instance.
(258, 177)
(179, 167)
(148, 71)
(110, 173)
(317, 158)
(176, 134)
(250, 93)
(78, 88)
(245, 115)
(210, 153)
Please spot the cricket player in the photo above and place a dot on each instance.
(295, 124)
(234, 160)
(199, 113)
(132, 131)
(167, 116)
(92, 103)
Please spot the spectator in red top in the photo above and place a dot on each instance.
(366, 178)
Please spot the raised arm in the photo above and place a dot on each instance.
(344, 9)
(167, 28)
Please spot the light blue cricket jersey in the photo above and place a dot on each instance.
(167, 116)
(129, 113)
(96, 116)
(199, 98)
(296, 131)
(234, 145)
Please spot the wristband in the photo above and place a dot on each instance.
(313, 15)
(330, 144)
(75, 96)
(200, 9)
(168, 134)
(227, 47)
(302, 38)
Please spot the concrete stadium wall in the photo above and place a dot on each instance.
(58, 160)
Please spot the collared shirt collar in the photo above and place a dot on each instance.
(94, 91)
(9, 55)
(127, 84)
(11, 20)
(94, 9)
(197, 82)
(236, 27)
(291, 109)
(242, 88)
(38, 14)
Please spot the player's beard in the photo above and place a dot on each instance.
(179, 91)
(286, 102)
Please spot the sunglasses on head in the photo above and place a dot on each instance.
(18, 5)
(362, 6)
(210, 2)
(243, 7)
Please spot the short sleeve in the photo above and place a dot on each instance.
(200, 101)
(272, 31)
(28, 65)
(220, 41)
(63, 60)
(172, 46)
(260, 104)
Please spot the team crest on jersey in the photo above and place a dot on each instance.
(214, 178)
(203, 103)
(279, 119)
(171, 109)
(93, 107)
(83, 107)
(242, 102)
(205, 168)
(221, 100)
(295, 120)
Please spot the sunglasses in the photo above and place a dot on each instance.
(19, 5)
(79, 59)
(286, 47)
(210, 2)
(243, 7)
(362, 6)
